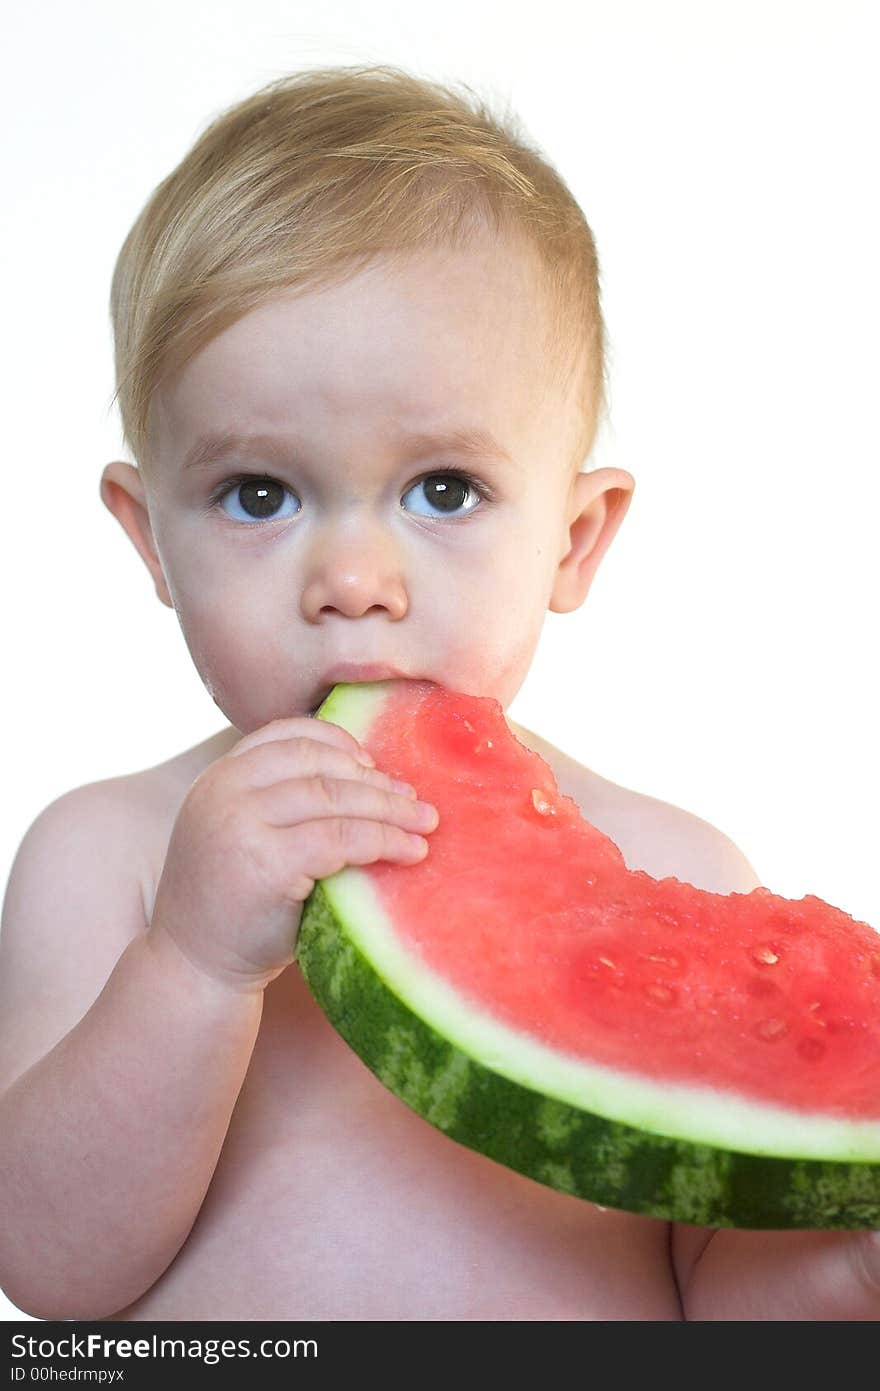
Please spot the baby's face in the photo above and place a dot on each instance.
(323, 531)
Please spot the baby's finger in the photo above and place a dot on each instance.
(300, 726)
(278, 761)
(298, 800)
(324, 847)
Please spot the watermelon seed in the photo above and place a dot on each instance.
(606, 962)
(540, 803)
(663, 994)
(670, 960)
(771, 1029)
(764, 956)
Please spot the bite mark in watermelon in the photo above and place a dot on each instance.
(642, 1043)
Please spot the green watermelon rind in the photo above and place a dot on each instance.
(516, 1102)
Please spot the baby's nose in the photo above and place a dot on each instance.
(354, 583)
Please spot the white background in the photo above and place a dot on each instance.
(725, 156)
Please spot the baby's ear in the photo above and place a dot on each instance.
(123, 494)
(598, 504)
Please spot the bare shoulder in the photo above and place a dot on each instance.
(80, 890)
(666, 840)
(73, 902)
(654, 836)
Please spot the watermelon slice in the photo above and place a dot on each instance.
(700, 1057)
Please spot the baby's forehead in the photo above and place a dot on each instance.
(439, 342)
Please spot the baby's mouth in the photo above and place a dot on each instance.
(368, 673)
(318, 701)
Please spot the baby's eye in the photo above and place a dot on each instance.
(447, 492)
(252, 498)
(258, 498)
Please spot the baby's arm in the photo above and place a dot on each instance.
(116, 1092)
(799, 1275)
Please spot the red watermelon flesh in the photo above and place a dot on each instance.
(775, 999)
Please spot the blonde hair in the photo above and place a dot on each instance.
(318, 172)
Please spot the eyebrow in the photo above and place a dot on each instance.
(468, 440)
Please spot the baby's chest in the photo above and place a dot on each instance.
(390, 1219)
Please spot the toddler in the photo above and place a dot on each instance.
(360, 367)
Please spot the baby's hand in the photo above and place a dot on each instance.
(289, 804)
(805, 1275)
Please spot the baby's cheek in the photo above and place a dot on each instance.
(239, 658)
(493, 649)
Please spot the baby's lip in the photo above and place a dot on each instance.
(360, 671)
